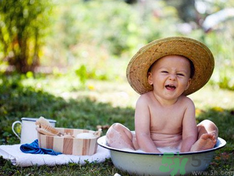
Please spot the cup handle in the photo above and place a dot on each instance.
(13, 128)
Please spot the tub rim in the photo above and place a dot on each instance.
(219, 144)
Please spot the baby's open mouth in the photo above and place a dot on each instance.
(170, 87)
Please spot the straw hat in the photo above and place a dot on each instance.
(194, 50)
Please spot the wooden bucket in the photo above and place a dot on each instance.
(83, 143)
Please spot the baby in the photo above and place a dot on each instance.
(164, 72)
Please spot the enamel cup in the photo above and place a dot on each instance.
(28, 129)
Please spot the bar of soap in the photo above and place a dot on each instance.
(85, 136)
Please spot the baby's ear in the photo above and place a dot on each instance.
(188, 84)
(150, 81)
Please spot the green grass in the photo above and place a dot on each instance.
(97, 103)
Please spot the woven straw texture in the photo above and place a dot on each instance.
(197, 52)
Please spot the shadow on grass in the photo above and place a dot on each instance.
(17, 101)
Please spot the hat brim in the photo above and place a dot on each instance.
(194, 50)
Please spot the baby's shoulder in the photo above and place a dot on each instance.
(147, 96)
(144, 98)
(186, 101)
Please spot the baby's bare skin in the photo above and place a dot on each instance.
(206, 141)
(118, 136)
(166, 123)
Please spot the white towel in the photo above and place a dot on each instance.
(14, 154)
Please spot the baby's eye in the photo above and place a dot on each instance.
(180, 74)
(164, 71)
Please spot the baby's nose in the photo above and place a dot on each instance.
(172, 77)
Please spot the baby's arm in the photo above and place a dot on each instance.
(142, 127)
(189, 129)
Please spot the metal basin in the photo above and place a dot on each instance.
(140, 163)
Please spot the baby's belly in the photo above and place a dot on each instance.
(166, 140)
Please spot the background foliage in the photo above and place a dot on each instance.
(22, 28)
(86, 37)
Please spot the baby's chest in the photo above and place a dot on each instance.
(166, 119)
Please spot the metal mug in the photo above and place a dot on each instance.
(28, 129)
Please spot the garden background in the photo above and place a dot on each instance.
(66, 60)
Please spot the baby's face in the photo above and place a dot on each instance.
(170, 76)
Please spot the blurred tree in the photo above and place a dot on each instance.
(22, 26)
(186, 9)
(131, 1)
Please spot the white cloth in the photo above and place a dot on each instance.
(14, 154)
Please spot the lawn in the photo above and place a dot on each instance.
(98, 103)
